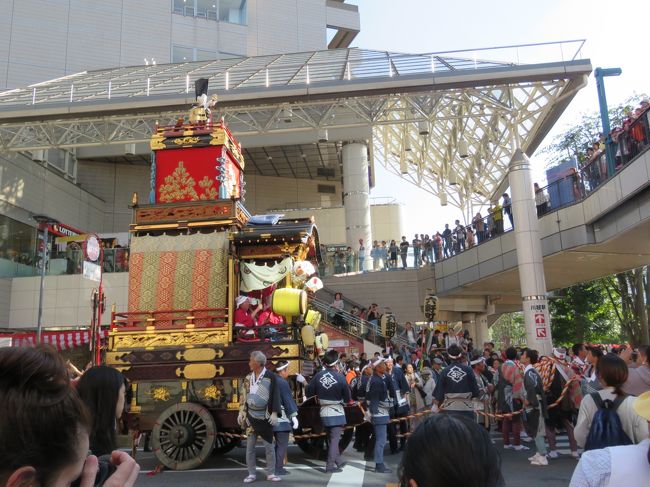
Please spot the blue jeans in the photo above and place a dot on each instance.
(381, 432)
(416, 258)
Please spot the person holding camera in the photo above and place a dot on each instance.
(45, 427)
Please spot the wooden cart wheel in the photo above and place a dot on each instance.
(224, 444)
(183, 436)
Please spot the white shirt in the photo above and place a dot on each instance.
(613, 467)
(255, 382)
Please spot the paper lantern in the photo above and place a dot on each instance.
(314, 284)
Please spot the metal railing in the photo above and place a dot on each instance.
(61, 263)
(348, 322)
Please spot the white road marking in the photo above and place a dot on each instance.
(353, 472)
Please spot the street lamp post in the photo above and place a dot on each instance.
(44, 221)
(600, 74)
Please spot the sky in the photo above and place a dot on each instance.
(616, 35)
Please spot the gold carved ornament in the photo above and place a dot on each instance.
(160, 393)
(187, 141)
(211, 392)
(180, 185)
(173, 339)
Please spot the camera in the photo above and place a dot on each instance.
(104, 470)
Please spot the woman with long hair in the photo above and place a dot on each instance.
(103, 390)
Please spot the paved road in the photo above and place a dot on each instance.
(229, 470)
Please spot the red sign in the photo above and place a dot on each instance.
(539, 319)
(541, 332)
(62, 230)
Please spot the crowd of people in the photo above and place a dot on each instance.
(432, 399)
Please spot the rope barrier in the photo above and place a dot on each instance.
(307, 436)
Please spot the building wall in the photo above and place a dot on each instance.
(46, 39)
(115, 185)
(264, 193)
(385, 221)
(66, 300)
(402, 291)
(28, 188)
(5, 302)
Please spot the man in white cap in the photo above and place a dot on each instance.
(245, 318)
(287, 421)
(333, 394)
(378, 413)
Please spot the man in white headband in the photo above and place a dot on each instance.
(456, 387)
(287, 420)
(485, 389)
(333, 394)
(379, 405)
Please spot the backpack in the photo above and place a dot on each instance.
(606, 428)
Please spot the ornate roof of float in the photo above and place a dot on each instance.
(445, 121)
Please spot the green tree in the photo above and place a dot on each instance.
(508, 330)
(582, 313)
(629, 295)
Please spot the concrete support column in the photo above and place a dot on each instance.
(482, 332)
(529, 256)
(356, 192)
(469, 323)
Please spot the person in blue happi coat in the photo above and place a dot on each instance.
(402, 409)
(287, 421)
(332, 391)
(380, 403)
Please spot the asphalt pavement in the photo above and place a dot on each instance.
(229, 470)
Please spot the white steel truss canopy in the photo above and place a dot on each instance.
(444, 121)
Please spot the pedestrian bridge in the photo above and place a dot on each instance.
(605, 233)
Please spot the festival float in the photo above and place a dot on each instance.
(194, 250)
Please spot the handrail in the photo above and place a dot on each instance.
(348, 322)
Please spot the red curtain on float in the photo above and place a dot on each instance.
(62, 340)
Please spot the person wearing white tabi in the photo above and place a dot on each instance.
(333, 393)
(261, 406)
(379, 405)
(287, 421)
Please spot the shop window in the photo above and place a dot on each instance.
(17, 248)
(233, 11)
